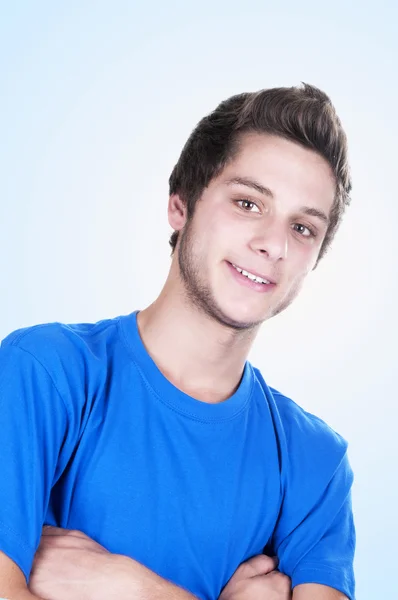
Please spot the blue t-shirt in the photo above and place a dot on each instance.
(95, 438)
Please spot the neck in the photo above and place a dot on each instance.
(196, 353)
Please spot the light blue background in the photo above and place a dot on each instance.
(96, 101)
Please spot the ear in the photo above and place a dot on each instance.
(177, 212)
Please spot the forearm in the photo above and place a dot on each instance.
(13, 582)
(68, 564)
(137, 582)
(314, 591)
(23, 595)
(103, 576)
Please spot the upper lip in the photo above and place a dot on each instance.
(253, 272)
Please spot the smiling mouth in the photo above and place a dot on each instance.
(252, 276)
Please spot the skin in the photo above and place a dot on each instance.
(97, 568)
(201, 327)
(199, 332)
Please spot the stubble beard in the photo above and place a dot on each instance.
(197, 292)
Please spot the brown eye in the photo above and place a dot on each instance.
(247, 205)
(303, 230)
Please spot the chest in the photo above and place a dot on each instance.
(190, 500)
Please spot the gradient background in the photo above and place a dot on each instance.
(96, 101)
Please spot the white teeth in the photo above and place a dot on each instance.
(250, 275)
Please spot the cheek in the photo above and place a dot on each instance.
(220, 235)
(297, 275)
(304, 260)
(232, 231)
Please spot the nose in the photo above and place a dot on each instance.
(272, 240)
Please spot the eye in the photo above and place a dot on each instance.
(247, 205)
(303, 230)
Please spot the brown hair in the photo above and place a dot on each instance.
(302, 114)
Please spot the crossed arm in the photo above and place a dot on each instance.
(69, 564)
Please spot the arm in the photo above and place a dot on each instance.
(33, 427)
(126, 579)
(321, 562)
(315, 535)
(69, 564)
(313, 591)
(12, 581)
(37, 432)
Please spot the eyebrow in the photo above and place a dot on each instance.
(251, 183)
(314, 212)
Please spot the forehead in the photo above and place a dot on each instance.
(283, 166)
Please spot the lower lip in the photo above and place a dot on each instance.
(263, 288)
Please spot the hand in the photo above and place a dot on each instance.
(257, 579)
(68, 564)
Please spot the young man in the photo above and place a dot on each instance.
(151, 432)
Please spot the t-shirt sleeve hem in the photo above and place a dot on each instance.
(16, 550)
(333, 578)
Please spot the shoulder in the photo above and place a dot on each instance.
(50, 342)
(310, 449)
(303, 427)
(70, 355)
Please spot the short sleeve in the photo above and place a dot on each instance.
(316, 543)
(33, 424)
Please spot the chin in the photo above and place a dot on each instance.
(240, 318)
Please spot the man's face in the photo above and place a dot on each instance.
(266, 214)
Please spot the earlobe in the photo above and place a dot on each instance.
(177, 212)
